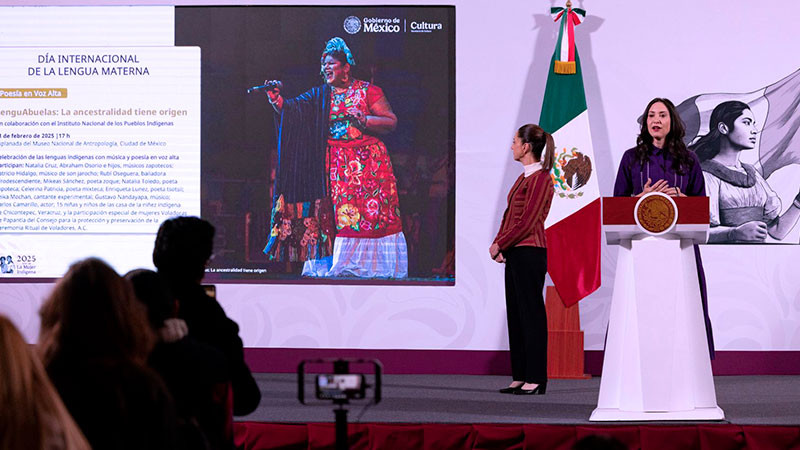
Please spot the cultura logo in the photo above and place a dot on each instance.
(352, 25)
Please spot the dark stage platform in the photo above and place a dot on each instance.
(434, 412)
(471, 399)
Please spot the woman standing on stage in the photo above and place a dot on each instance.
(521, 244)
(660, 162)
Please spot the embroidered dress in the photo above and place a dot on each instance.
(361, 208)
(369, 239)
(362, 183)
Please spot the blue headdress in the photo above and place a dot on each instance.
(337, 44)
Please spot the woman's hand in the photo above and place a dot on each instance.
(356, 116)
(173, 330)
(658, 186)
(674, 192)
(494, 252)
(755, 231)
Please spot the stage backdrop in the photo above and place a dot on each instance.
(684, 50)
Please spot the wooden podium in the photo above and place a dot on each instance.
(564, 339)
(656, 364)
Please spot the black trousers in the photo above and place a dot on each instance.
(527, 320)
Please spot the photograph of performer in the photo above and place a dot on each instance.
(744, 208)
(335, 185)
(661, 155)
(522, 246)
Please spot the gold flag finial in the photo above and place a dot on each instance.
(569, 4)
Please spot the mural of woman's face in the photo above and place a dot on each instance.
(743, 134)
(658, 122)
(336, 73)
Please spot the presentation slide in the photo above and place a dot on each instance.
(98, 147)
(350, 176)
(347, 178)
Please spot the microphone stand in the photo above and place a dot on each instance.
(340, 413)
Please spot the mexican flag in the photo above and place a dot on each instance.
(775, 108)
(573, 226)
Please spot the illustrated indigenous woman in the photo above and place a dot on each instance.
(743, 206)
(521, 245)
(335, 178)
(660, 162)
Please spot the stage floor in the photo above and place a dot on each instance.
(470, 399)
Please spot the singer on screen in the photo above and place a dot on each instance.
(334, 177)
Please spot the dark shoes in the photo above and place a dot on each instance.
(510, 390)
(538, 390)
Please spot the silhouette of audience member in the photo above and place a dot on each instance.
(94, 341)
(32, 415)
(195, 373)
(182, 250)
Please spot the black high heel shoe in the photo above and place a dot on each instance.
(538, 390)
(510, 390)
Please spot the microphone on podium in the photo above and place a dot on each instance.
(270, 85)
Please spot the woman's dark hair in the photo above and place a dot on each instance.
(152, 290)
(541, 142)
(33, 415)
(673, 143)
(92, 314)
(182, 249)
(707, 147)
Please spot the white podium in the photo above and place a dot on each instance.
(656, 364)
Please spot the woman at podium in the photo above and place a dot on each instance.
(521, 245)
(661, 162)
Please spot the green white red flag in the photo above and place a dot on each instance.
(573, 226)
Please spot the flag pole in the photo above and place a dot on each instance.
(576, 272)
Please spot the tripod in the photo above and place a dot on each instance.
(340, 413)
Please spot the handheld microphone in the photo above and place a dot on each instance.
(271, 85)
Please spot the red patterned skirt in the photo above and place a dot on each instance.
(363, 190)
